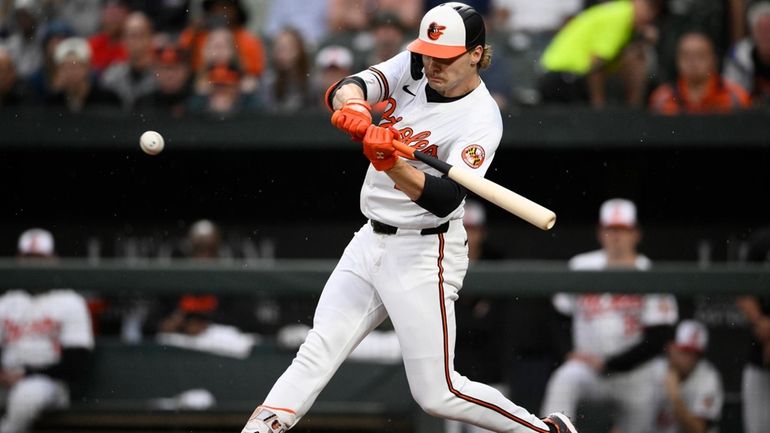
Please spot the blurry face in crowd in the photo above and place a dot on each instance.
(220, 47)
(682, 361)
(137, 36)
(644, 12)
(224, 97)
(7, 72)
(26, 22)
(72, 72)
(619, 242)
(760, 32)
(388, 40)
(225, 11)
(286, 50)
(172, 78)
(113, 17)
(695, 58)
(455, 76)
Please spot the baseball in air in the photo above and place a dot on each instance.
(151, 142)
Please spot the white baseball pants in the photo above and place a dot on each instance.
(756, 399)
(28, 398)
(414, 279)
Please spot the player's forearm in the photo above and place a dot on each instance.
(408, 179)
(346, 92)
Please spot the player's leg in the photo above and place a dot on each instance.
(756, 399)
(635, 391)
(572, 382)
(418, 286)
(347, 310)
(28, 398)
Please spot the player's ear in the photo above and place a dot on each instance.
(476, 54)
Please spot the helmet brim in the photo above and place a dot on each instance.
(420, 46)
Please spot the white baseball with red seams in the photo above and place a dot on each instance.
(411, 277)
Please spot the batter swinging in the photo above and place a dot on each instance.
(408, 262)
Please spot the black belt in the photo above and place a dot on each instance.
(386, 229)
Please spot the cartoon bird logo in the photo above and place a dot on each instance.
(435, 31)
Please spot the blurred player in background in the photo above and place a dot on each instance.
(756, 374)
(689, 393)
(614, 335)
(409, 260)
(46, 340)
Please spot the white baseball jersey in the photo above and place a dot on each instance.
(606, 324)
(35, 328)
(701, 392)
(464, 133)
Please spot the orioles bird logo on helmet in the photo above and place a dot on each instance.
(435, 31)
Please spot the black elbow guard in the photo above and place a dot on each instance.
(440, 195)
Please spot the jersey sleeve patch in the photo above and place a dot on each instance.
(473, 156)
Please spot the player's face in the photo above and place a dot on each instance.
(453, 77)
(619, 241)
(682, 361)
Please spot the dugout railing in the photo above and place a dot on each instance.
(126, 378)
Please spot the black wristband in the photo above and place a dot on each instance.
(348, 80)
(440, 195)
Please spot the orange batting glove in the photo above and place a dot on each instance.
(378, 147)
(354, 117)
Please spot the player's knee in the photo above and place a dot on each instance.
(433, 403)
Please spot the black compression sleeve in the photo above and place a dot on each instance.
(440, 195)
(74, 361)
(652, 344)
(355, 80)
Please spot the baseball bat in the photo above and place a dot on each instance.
(516, 204)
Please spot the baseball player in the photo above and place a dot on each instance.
(755, 385)
(689, 393)
(409, 260)
(614, 336)
(46, 339)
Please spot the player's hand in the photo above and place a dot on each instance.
(672, 383)
(354, 117)
(378, 147)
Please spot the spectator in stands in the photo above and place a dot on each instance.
(722, 20)
(46, 343)
(756, 372)
(228, 14)
(748, 63)
(699, 88)
(308, 17)
(107, 45)
(172, 72)
(389, 34)
(223, 96)
(134, 77)
(41, 82)
(204, 241)
(348, 16)
(12, 89)
(74, 87)
(524, 29)
(614, 335)
(82, 15)
(24, 44)
(332, 64)
(580, 57)
(475, 223)
(286, 87)
(168, 17)
(689, 393)
(409, 12)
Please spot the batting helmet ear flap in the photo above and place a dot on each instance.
(415, 66)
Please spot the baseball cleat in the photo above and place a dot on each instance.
(559, 423)
(264, 421)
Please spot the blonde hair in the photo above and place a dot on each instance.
(486, 57)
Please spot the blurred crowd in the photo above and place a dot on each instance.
(229, 56)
